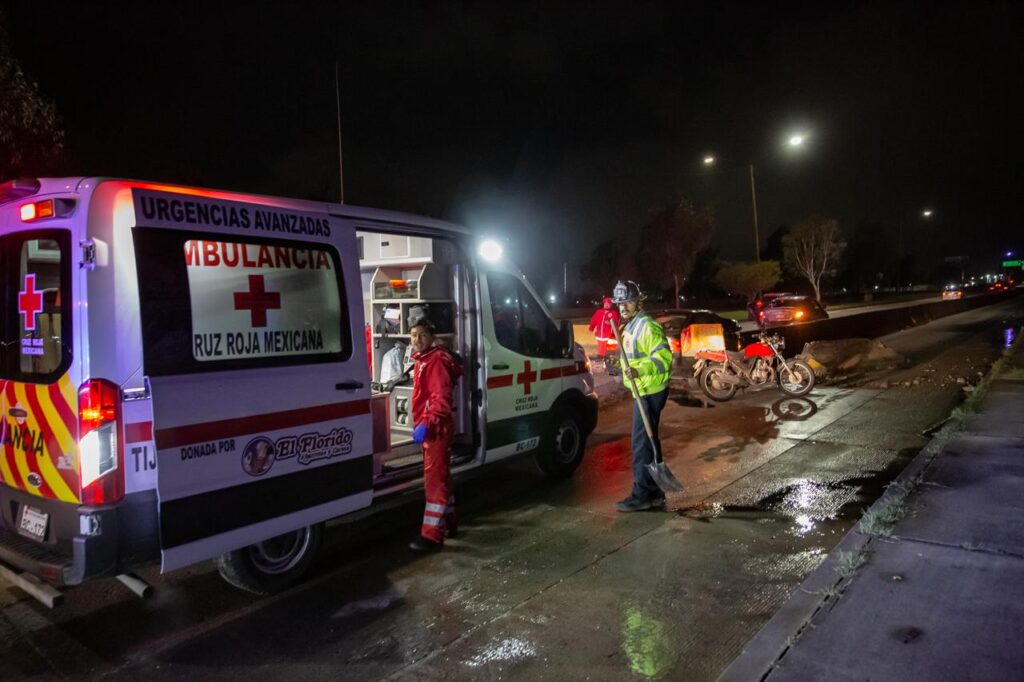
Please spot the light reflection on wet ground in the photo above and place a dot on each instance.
(503, 651)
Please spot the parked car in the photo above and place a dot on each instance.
(952, 292)
(792, 310)
(762, 301)
(676, 320)
(998, 286)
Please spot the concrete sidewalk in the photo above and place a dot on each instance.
(930, 584)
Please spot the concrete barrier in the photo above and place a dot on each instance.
(878, 322)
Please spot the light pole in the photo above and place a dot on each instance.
(795, 140)
(753, 201)
(926, 214)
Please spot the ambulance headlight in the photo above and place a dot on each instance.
(490, 250)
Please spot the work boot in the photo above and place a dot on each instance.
(631, 504)
(422, 544)
(658, 501)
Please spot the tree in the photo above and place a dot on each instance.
(748, 278)
(670, 242)
(812, 249)
(31, 139)
(702, 274)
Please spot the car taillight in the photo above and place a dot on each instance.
(798, 314)
(102, 461)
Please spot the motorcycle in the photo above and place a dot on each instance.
(758, 366)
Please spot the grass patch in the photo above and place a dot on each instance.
(883, 516)
(849, 562)
(1001, 366)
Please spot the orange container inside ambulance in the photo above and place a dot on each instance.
(189, 374)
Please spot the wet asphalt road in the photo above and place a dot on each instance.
(547, 581)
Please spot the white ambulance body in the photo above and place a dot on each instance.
(187, 374)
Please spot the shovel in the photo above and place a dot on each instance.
(658, 469)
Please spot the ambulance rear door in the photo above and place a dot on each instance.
(251, 324)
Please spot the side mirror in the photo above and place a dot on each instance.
(567, 337)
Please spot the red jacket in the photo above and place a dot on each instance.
(602, 321)
(433, 382)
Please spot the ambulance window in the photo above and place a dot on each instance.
(238, 302)
(520, 323)
(505, 310)
(38, 322)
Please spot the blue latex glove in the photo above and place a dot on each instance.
(419, 433)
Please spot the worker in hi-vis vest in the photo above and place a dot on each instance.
(647, 359)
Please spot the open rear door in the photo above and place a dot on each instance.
(251, 319)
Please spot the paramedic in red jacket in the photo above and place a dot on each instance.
(601, 325)
(434, 378)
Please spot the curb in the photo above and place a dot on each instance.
(770, 644)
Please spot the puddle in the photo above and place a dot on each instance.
(503, 651)
(811, 505)
(381, 602)
(796, 564)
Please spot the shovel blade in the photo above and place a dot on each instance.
(664, 478)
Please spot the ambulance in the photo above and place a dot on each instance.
(188, 374)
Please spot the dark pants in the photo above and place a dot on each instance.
(644, 487)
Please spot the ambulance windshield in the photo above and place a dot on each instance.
(35, 323)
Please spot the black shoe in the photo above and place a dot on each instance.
(658, 501)
(422, 544)
(451, 534)
(631, 504)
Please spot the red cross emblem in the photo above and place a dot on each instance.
(257, 300)
(30, 302)
(526, 378)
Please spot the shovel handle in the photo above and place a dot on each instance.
(636, 393)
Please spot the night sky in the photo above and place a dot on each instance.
(558, 125)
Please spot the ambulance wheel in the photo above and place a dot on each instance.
(273, 565)
(565, 444)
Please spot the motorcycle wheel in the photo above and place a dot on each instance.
(800, 382)
(715, 388)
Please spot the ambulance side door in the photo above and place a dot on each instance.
(524, 364)
(253, 346)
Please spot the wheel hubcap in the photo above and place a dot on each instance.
(281, 553)
(567, 441)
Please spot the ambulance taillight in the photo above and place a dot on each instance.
(102, 462)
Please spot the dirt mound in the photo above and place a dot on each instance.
(845, 358)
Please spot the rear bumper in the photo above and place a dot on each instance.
(81, 542)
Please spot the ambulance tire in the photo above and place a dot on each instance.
(273, 565)
(564, 445)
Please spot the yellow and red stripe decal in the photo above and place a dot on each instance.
(39, 448)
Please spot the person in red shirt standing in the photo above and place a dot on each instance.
(434, 378)
(601, 326)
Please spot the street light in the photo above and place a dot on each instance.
(926, 214)
(795, 140)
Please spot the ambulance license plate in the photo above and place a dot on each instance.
(33, 523)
